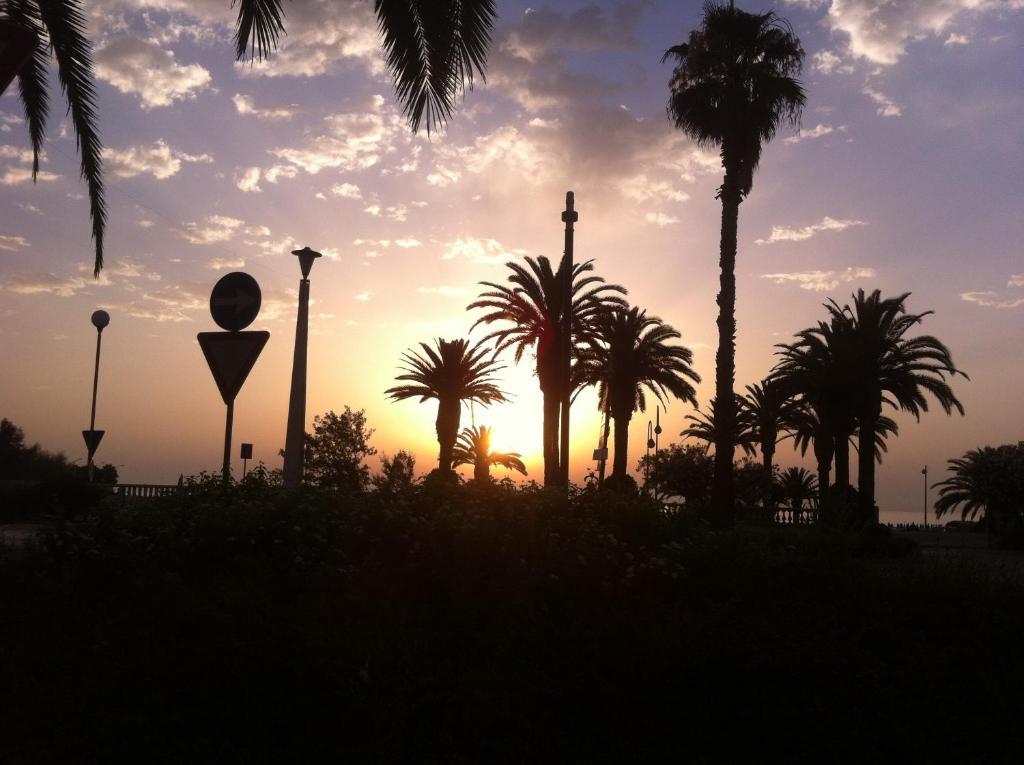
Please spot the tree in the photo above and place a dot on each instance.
(433, 48)
(531, 307)
(705, 428)
(682, 470)
(734, 84)
(474, 448)
(397, 474)
(453, 373)
(887, 367)
(58, 31)
(988, 482)
(799, 486)
(336, 450)
(768, 412)
(628, 353)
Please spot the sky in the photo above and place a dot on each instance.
(904, 175)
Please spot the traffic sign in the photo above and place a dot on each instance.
(246, 452)
(231, 356)
(235, 301)
(92, 440)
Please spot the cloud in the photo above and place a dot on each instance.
(14, 175)
(246, 105)
(590, 27)
(821, 281)
(955, 39)
(1017, 280)
(141, 67)
(660, 219)
(483, 251)
(42, 283)
(643, 188)
(216, 228)
(30, 208)
(444, 290)
(13, 243)
(827, 62)
(363, 296)
(394, 212)
(990, 300)
(407, 243)
(783, 234)
(879, 31)
(249, 180)
(347, 190)
(815, 132)
(158, 159)
(886, 106)
(222, 264)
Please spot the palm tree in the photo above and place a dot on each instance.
(531, 307)
(768, 411)
(798, 486)
(627, 352)
(474, 448)
(453, 373)
(56, 30)
(704, 428)
(433, 48)
(733, 85)
(989, 482)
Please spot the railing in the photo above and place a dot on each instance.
(783, 516)
(135, 491)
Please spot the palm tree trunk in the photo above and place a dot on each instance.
(842, 457)
(768, 453)
(481, 470)
(621, 445)
(551, 414)
(723, 488)
(449, 413)
(823, 452)
(866, 468)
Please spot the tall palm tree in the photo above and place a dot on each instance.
(57, 31)
(474, 448)
(768, 410)
(884, 366)
(531, 308)
(453, 373)
(799, 486)
(705, 427)
(734, 84)
(627, 353)
(433, 47)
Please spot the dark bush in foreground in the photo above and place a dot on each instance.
(486, 624)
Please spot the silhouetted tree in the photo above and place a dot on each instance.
(987, 482)
(433, 48)
(733, 85)
(474, 448)
(397, 474)
(59, 29)
(768, 412)
(336, 451)
(627, 352)
(705, 427)
(798, 488)
(453, 373)
(682, 470)
(887, 367)
(531, 306)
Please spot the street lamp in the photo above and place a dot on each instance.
(650, 445)
(294, 447)
(100, 319)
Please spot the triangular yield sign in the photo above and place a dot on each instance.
(92, 440)
(231, 356)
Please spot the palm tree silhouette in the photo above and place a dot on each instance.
(474, 448)
(733, 85)
(989, 482)
(705, 427)
(627, 352)
(433, 49)
(58, 29)
(532, 309)
(886, 367)
(768, 412)
(798, 487)
(453, 373)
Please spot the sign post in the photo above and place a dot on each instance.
(100, 319)
(234, 305)
(246, 455)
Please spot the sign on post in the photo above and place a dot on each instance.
(234, 305)
(92, 440)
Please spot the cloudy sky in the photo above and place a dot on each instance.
(904, 176)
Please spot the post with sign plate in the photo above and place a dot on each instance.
(100, 319)
(295, 433)
(246, 455)
(231, 355)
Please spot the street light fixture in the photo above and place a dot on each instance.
(294, 448)
(100, 319)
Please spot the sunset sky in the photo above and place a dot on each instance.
(906, 175)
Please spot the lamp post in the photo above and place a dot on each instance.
(100, 319)
(657, 429)
(647, 459)
(294, 446)
(925, 474)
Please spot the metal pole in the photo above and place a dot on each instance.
(925, 474)
(95, 385)
(226, 469)
(569, 216)
(294, 452)
(604, 445)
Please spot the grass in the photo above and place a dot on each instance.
(492, 625)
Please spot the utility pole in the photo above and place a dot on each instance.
(569, 217)
(295, 434)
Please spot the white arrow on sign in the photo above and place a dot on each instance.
(240, 301)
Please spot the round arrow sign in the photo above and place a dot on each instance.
(235, 301)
